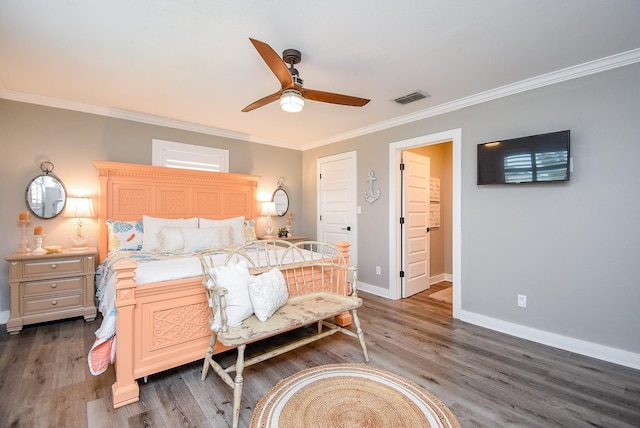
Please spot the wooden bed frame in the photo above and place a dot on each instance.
(166, 324)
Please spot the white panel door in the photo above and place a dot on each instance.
(337, 201)
(415, 236)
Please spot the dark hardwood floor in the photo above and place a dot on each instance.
(487, 379)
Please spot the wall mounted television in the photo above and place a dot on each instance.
(540, 158)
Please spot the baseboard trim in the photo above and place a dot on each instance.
(589, 349)
(4, 317)
(442, 277)
(378, 291)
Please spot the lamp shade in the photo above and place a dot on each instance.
(291, 101)
(79, 208)
(268, 208)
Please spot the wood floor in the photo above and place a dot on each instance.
(487, 379)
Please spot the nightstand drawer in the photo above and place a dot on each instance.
(52, 267)
(36, 288)
(52, 304)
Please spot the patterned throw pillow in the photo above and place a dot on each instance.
(171, 239)
(268, 292)
(236, 224)
(206, 238)
(124, 235)
(153, 225)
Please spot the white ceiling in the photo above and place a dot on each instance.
(189, 64)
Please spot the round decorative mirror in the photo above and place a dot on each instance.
(46, 195)
(281, 200)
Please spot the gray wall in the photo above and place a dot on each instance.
(570, 247)
(71, 140)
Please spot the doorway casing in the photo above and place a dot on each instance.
(395, 149)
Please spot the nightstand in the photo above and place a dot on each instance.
(51, 287)
(291, 238)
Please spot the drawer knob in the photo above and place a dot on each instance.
(54, 285)
(53, 266)
(54, 302)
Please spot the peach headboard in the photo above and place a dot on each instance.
(129, 191)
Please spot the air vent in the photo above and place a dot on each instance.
(415, 96)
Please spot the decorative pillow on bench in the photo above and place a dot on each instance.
(235, 278)
(268, 293)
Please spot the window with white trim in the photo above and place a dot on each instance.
(188, 156)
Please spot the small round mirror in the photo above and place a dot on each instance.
(281, 200)
(46, 196)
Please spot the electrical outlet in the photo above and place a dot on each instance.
(522, 301)
(377, 270)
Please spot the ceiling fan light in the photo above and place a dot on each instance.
(291, 101)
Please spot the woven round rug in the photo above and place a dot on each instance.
(349, 395)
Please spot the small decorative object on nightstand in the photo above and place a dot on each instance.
(23, 221)
(38, 236)
(290, 224)
(51, 287)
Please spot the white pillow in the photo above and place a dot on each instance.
(235, 278)
(268, 292)
(170, 239)
(236, 224)
(205, 238)
(152, 226)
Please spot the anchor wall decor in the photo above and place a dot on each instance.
(372, 196)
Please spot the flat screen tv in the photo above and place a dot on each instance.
(534, 159)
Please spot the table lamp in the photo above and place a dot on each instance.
(268, 209)
(79, 208)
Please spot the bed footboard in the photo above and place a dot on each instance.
(163, 325)
(159, 326)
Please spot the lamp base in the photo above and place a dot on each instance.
(79, 242)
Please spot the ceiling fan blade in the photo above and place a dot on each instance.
(330, 97)
(274, 62)
(263, 101)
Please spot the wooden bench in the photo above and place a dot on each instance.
(321, 286)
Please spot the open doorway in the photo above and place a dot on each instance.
(452, 137)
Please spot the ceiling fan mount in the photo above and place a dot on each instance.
(291, 82)
(291, 56)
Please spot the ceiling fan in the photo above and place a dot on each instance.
(292, 93)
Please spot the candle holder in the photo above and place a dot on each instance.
(290, 224)
(39, 250)
(23, 247)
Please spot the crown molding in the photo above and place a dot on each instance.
(135, 117)
(569, 73)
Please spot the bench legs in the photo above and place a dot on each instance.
(208, 357)
(237, 385)
(356, 322)
(237, 382)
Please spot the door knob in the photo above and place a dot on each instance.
(346, 228)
